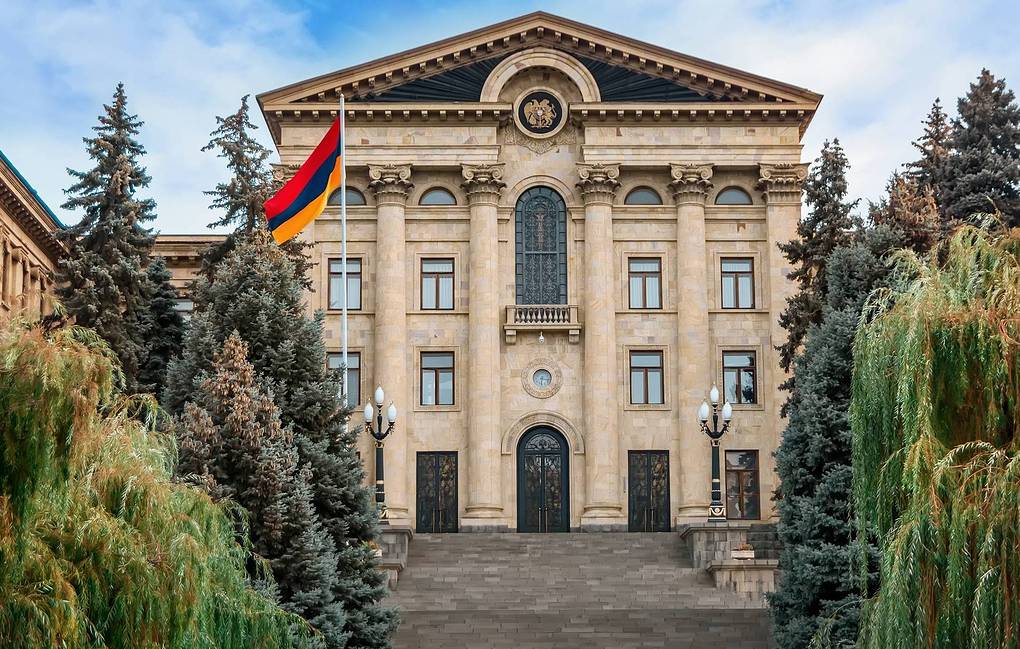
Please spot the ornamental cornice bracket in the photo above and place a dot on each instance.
(485, 179)
(782, 182)
(391, 179)
(598, 181)
(691, 183)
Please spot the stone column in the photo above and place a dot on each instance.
(34, 293)
(391, 184)
(603, 505)
(484, 509)
(690, 186)
(781, 186)
(17, 281)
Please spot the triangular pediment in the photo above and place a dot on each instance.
(455, 69)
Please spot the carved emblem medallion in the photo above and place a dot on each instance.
(540, 113)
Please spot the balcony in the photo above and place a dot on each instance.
(542, 318)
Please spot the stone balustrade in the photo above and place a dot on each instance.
(542, 317)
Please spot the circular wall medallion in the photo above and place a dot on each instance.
(541, 378)
(540, 113)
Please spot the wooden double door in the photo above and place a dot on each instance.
(436, 492)
(648, 491)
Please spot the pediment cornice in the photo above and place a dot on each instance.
(716, 83)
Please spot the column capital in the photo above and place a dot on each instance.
(598, 182)
(691, 183)
(391, 183)
(482, 183)
(283, 172)
(781, 183)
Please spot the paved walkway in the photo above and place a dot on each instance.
(537, 591)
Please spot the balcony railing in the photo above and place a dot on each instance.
(543, 318)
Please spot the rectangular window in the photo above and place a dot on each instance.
(436, 284)
(335, 361)
(336, 295)
(437, 378)
(737, 283)
(742, 497)
(645, 283)
(740, 377)
(646, 378)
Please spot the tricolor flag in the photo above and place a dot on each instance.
(304, 196)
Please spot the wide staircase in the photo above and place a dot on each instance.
(536, 591)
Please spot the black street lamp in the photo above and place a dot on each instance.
(380, 434)
(716, 510)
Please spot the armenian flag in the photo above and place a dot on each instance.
(305, 195)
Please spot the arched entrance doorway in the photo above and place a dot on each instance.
(543, 481)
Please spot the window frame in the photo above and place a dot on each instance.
(438, 276)
(642, 188)
(353, 190)
(644, 371)
(436, 372)
(739, 370)
(357, 383)
(750, 199)
(736, 275)
(437, 190)
(330, 276)
(643, 275)
(755, 472)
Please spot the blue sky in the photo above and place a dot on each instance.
(879, 65)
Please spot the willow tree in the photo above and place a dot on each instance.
(936, 432)
(99, 548)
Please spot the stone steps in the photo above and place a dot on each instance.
(619, 590)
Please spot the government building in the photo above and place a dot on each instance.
(559, 240)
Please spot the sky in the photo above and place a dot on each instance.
(878, 64)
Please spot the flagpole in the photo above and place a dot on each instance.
(343, 244)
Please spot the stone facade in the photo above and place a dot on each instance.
(738, 131)
(28, 247)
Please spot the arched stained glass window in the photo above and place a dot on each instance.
(643, 196)
(437, 196)
(354, 197)
(541, 247)
(733, 196)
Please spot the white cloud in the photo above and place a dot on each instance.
(878, 65)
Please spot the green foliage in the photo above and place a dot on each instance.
(934, 147)
(256, 292)
(982, 172)
(102, 280)
(828, 225)
(162, 327)
(99, 548)
(934, 412)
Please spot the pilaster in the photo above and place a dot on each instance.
(690, 187)
(391, 184)
(603, 507)
(484, 509)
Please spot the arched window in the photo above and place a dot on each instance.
(643, 196)
(354, 197)
(437, 196)
(541, 247)
(733, 196)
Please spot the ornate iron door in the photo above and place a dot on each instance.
(648, 487)
(542, 482)
(541, 247)
(437, 492)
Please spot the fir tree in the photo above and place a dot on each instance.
(934, 147)
(233, 444)
(982, 173)
(102, 279)
(910, 211)
(256, 292)
(828, 225)
(251, 184)
(162, 328)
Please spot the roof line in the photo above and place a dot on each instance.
(31, 190)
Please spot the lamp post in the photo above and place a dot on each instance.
(716, 510)
(380, 434)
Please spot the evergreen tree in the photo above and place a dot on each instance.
(102, 279)
(255, 291)
(233, 444)
(982, 173)
(828, 225)
(162, 328)
(251, 184)
(934, 147)
(910, 212)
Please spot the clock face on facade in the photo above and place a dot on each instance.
(540, 113)
(542, 378)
